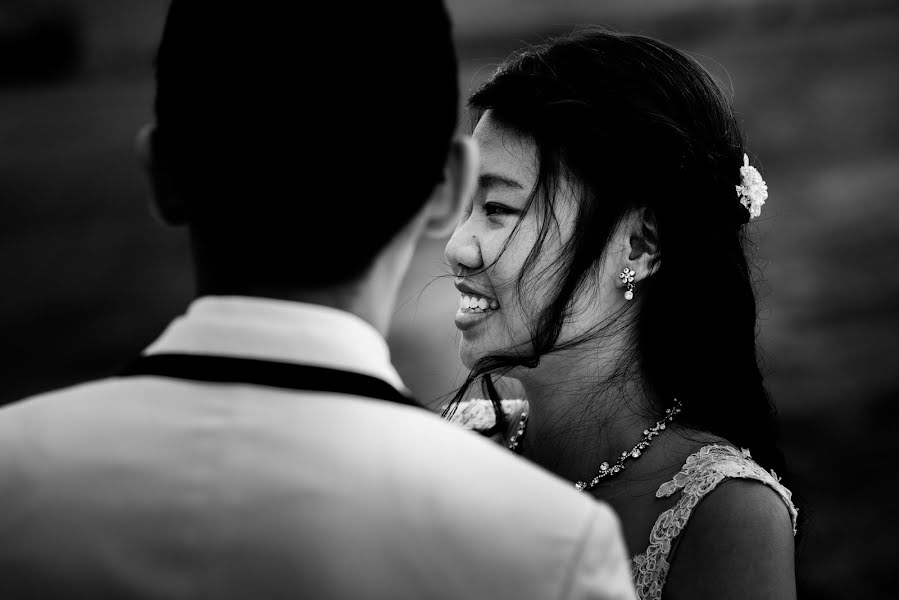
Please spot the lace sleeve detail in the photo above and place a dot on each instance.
(478, 415)
(701, 473)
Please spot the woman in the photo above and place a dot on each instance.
(602, 265)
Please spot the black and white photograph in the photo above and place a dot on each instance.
(448, 299)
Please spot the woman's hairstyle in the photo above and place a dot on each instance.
(640, 126)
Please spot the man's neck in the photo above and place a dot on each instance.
(359, 298)
(371, 296)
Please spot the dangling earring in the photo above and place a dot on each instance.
(627, 278)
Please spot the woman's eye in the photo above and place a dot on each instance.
(491, 209)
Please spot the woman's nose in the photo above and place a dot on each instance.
(463, 250)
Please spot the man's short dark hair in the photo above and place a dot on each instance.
(303, 143)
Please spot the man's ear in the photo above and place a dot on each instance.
(451, 197)
(643, 246)
(165, 202)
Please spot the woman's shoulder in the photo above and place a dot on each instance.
(710, 466)
(736, 510)
(739, 514)
(479, 414)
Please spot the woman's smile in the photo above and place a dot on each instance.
(474, 306)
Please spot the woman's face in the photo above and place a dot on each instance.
(489, 248)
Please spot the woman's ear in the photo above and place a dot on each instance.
(644, 243)
(165, 202)
(450, 198)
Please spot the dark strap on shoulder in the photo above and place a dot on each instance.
(228, 369)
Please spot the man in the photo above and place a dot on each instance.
(264, 446)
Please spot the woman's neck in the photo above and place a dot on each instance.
(579, 415)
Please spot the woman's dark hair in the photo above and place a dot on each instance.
(640, 125)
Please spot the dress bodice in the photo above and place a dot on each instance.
(702, 472)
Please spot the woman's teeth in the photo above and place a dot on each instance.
(477, 304)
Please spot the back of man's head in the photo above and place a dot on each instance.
(301, 144)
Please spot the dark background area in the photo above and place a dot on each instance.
(89, 278)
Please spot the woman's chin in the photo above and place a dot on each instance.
(470, 353)
(465, 357)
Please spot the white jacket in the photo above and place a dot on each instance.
(158, 488)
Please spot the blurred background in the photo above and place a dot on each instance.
(89, 278)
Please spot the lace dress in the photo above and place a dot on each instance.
(701, 473)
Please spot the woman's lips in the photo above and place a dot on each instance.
(473, 309)
(476, 303)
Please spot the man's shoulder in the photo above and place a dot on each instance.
(466, 469)
(490, 512)
(29, 427)
(382, 474)
(390, 450)
(57, 404)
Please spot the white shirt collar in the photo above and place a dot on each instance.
(280, 330)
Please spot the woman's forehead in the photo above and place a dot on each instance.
(505, 151)
(509, 154)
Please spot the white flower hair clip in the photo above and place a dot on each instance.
(752, 191)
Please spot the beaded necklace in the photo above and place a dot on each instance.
(606, 470)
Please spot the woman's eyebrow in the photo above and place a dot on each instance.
(489, 180)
